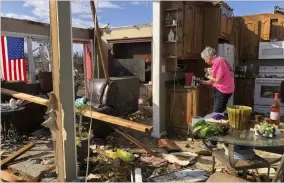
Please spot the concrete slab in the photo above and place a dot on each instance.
(29, 163)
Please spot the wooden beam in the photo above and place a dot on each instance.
(87, 113)
(24, 96)
(63, 87)
(99, 40)
(23, 28)
(16, 154)
(117, 121)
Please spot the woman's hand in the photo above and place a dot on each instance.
(206, 82)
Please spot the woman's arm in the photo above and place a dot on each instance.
(208, 82)
(216, 80)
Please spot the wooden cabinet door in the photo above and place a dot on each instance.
(229, 26)
(265, 28)
(198, 30)
(181, 112)
(281, 29)
(223, 25)
(188, 30)
(249, 38)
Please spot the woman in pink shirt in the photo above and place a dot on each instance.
(220, 78)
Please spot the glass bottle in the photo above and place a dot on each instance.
(275, 110)
(169, 19)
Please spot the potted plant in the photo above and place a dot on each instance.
(82, 135)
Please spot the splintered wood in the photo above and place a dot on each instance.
(9, 177)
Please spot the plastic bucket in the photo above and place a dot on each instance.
(239, 116)
(188, 78)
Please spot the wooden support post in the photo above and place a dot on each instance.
(156, 68)
(63, 87)
(99, 40)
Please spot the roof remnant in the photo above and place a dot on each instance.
(277, 9)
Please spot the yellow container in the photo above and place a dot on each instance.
(239, 116)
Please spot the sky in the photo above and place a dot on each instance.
(115, 13)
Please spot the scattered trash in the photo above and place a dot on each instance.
(173, 159)
(181, 158)
(168, 145)
(138, 175)
(121, 154)
(154, 161)
(93, 147)
(189, 175)
(102, 147)
(94, 177)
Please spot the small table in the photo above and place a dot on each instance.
(244, 138)
(6, 115)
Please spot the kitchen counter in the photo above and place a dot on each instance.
(171, 86)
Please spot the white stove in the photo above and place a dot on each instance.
(265, 86)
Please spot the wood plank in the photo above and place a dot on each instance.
(117, 121)
(9, 177)
(99, 40)
(17, 154)
(24, 96)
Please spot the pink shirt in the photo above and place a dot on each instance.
(221, 69)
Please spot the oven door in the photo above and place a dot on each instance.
(264, 91)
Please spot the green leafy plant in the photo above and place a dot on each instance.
(205, 129)
(79, 110)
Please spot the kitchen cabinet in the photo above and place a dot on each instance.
(244, 92)
(193, 28)
(217, 24)
(281, 28)
(226, 22)
(234, 39)
(271, 26)
(183, 104)
(249, 38)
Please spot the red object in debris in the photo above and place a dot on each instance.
(88, 56)
(188, 78)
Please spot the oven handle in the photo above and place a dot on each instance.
(269, 82)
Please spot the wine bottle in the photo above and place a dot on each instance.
(275, 111)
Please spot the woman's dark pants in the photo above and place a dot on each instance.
(220, 104)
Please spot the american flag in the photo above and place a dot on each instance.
(13, 65)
